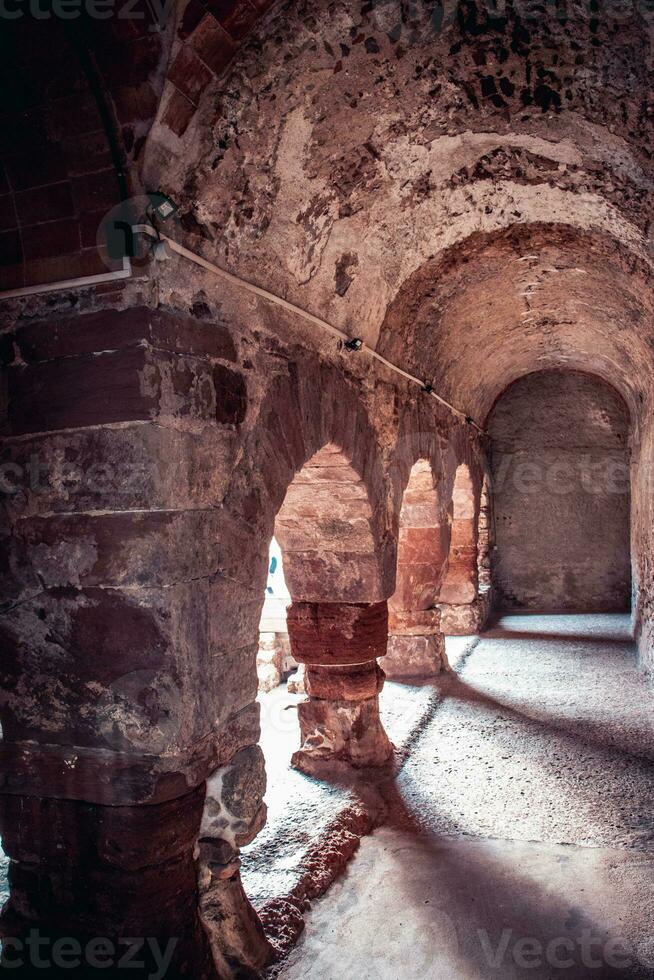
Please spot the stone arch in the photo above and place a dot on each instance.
(325, 530)
(310, 473)
(308, 416)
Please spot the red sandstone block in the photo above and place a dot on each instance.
(422, 545)
(193, 14)
(130, 62)
(93, 192)
(87, 152)
(213, 44)
(350, 683)
(11, 249)
(179, 113)
(36, 169)
(44, 204)
(11, 276)
(63, 267)
(135, 102)
(231, 395)
(190, 75)
(85, 390)
(51, 239)
(72, 115)
(417, 585)
(43, 340)
(337, 633)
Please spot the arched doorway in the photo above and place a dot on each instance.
(560, 465)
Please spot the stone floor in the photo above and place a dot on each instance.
(519, 836)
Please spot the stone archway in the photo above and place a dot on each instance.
(338, 619)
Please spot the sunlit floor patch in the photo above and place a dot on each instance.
(520, 836)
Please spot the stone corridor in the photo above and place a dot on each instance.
(367, 284)
(523, 815)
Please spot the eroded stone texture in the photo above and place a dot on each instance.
(415, 646)
(233, 814)
(460, 582)
(341, 731)
(415, 655)
(467, 618)
(339, 645)
(77, 867)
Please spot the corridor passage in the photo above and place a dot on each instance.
(520, 841)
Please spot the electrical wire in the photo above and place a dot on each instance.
(355, 343)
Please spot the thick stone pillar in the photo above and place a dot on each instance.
(129, 640)
(93, 887)
(339, 721)
(416, 645)
(415, 642)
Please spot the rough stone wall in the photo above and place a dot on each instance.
(560, 465)
(467, 187)
(146, 453)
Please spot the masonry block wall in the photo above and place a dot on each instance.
(561, 473)
(145, 460)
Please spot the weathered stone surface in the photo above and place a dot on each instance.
(562, 504)
(137, 864)
(351, 683)
(341, 731)
(415, 656)
(235, 933)
(120, 778)
(414, 622)
(234, 809)
(331, 633)
(45, 340)
(467, 618)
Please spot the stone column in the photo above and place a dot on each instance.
(416, 645)
(96, 884)
(340, 643)
(129, 638)
(463, 609)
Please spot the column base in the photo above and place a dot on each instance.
(415, 656)
(465, 619)
(348, 732)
